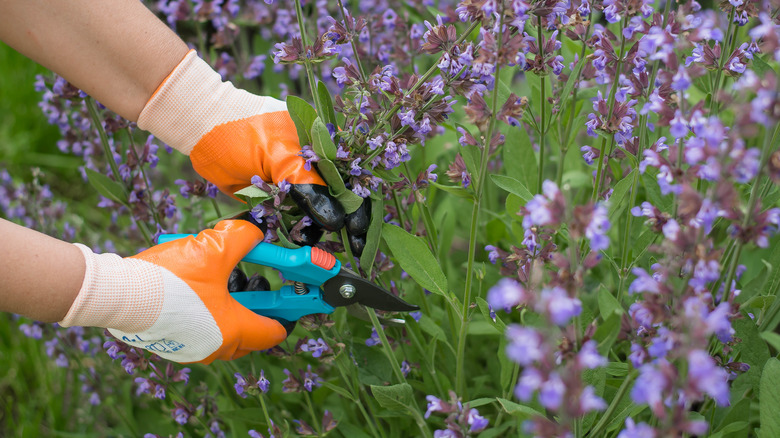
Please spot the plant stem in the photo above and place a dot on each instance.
(314, 419)
(460, 382)
(542, 127)
(572, 107)
(261, 396)
(93, 114)
(350, 29)
(306, 61)
(386, 345)
(605, 417)
(612, 92)
(749, 213)
(721, 62)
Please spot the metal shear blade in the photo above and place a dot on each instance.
(347, 288)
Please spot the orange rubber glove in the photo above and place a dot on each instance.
(172, 299)
(231, 135)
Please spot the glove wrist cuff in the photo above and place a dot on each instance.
(116, 293)
(192, 100)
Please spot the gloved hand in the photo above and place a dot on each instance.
(231, 135)
(172, 299)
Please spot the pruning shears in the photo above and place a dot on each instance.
(319, 285)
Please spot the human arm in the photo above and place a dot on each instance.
(117, 51)
(41, 275)
(171, 299)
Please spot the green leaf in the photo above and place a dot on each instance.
(481, 402)
(321, 141)
(577, 179)
(387, 175)
(331, 176)
(520, 158)
(414, 256)
(518, 410)
(608, 304)
(458, 191)
(107, 187)
(569, 87)
(617, 369)
(248, 415)
(395, 397)
(513, 186)
(607, 333)
(373, 366)
(760, 66)
(284, 242)
(769, 399)
(327, 103)
(471, 156)
(303, 115)
(499, 325)
(733, 427)
(373, 235)
(772, 339)
(619, 195)
(252, 195)
(350, 200)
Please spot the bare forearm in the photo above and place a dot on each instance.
(40, 276)
(115, 50)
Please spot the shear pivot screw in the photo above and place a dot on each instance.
(347, 291)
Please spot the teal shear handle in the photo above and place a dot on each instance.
(290, 302)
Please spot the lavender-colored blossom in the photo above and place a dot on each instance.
(434, 405)
(633, 430)
(525, 345)
(589, 401)
(476, 422)
(589, 357)
(558, 305)
(530, 380)
(506, 294)
(649, 387)
(374, 339)
(707, 377)
(316, 347)
(598, 227)
(551, 392)
(643, 281)
(240, 385)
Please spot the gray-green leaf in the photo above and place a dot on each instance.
(414, 256)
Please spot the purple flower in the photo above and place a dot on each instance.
(311, 380)
(525, 345)
(529, 382)
(240, 385)
(643, 281)
(374, 339)
(589, 357)
(649, 387)
(493, 254)
(641, 430)
(707, 377)
(558, 306)
(551, 392)
(434, 405)
(255, 67)
(263, 383)
(476, 422)
(180, 415)
(506, 294)
(315, 347)
(598, 228)
(589, 401)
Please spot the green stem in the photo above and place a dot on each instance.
(749, 213)
(612, 92)
(386, 348)
(350, 29)
(460, 381)
(542, 127)
(721, 62)
(605, 417)
(314, 419)
(306, 61)
(261, 396)
(93, 114)
(634, 188)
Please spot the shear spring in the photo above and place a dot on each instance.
(300, 288)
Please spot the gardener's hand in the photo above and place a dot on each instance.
(232, 135)
(172, 299)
